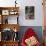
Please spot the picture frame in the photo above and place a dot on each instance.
(5, 12)
(29, 12)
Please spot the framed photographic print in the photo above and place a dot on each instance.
(5, 12)
(29, 12)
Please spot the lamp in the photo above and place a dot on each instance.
(15, 3)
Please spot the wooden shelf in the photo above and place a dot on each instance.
(9, 8)
(11, 26)
(9, 43)
(4, 13)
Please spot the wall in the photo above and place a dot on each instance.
(38, 21)
(37, 30)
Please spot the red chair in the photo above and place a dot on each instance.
(29, 33)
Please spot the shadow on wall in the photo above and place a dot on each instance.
(37, 29)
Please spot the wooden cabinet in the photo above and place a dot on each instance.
(6, 26)
(10, 43)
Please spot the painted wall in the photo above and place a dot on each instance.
(38, 21)
(37, 29)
